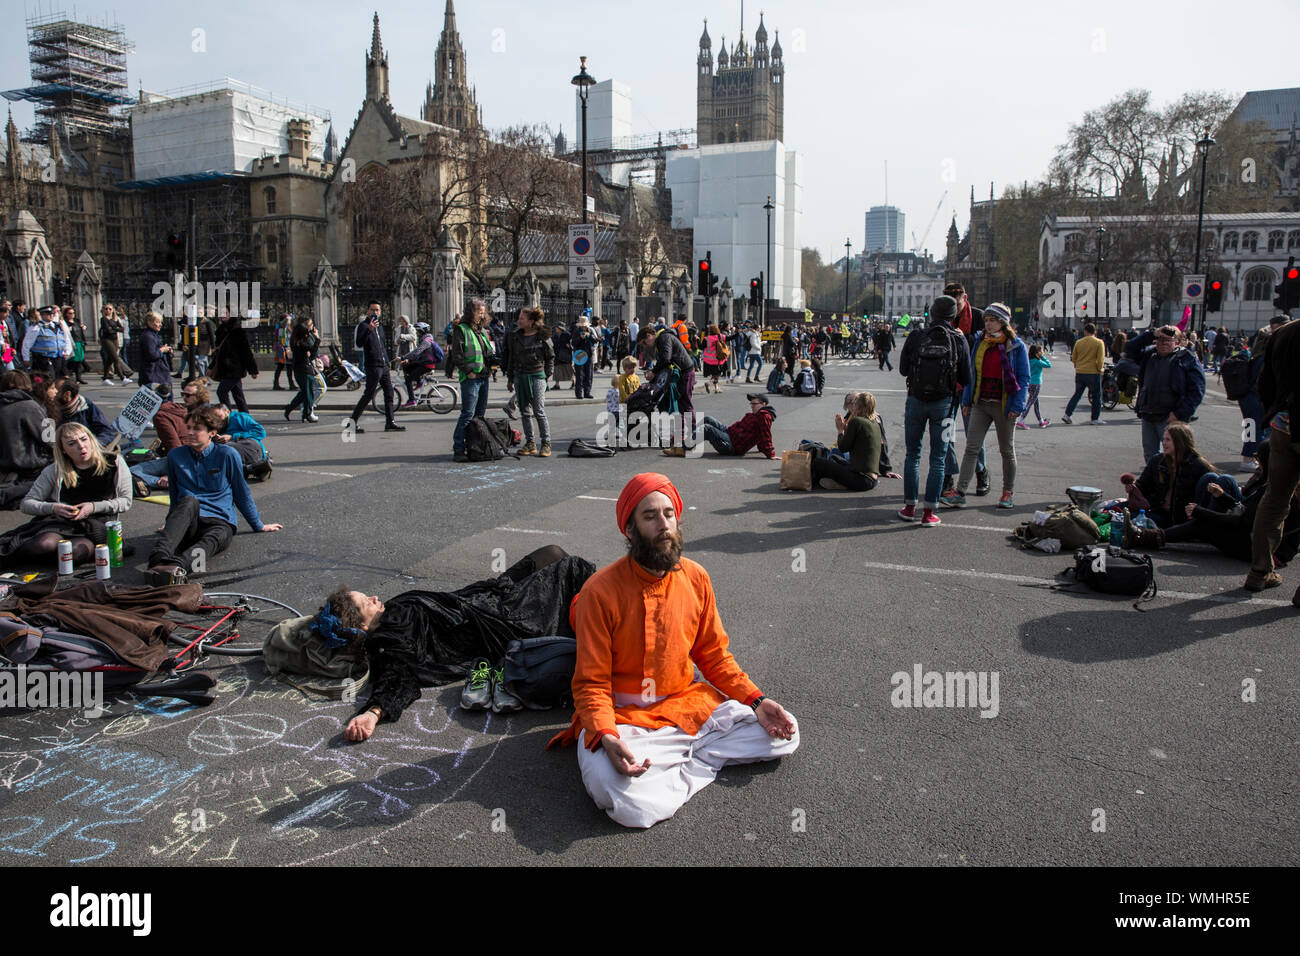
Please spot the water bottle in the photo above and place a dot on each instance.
(1117, 529)
(1142, 521)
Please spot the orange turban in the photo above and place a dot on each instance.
(640, 486)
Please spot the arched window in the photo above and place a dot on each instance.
(1259, 284)
(462, 237)
(269, 193)
(1046, 253)
(1250, 242)
(1293, 240)
(1275, 240)
(1230, 240)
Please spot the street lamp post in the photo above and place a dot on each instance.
(767, 277)
(1101, 237)
(584, 81)
(848, 245)
(875, 282)
(1204, 143)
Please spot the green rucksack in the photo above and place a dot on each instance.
(1066, 523)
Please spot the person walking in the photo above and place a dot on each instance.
(1171, 383)
(470, 353)
(1037, 362)
(234, 360)
(995, 396)
(1279, 392)
(936, 364)
(370, 339)
(754, 363)
(528, 362)
(713, 357)
(283, 349)
(304, 343)
(1089, 358)
(77, 335)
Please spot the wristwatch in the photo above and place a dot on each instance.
(757, 700)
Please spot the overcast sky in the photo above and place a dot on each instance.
(951, 94)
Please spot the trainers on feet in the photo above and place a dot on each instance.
(528, 449)
(1022, 425)
(907, 512)
(477, 694)
(545, 450)
(1097, 421)
(953, 499)
(1065, 419)
(930, 519)
(1006, 500)
(1044, 423)
(459, 456)
(503, 702)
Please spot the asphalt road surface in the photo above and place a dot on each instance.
(1119, 736)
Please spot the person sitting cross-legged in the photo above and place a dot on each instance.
(754, 429)
(205, 481)
(859, 438)
(650, 736)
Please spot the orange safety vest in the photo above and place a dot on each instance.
(683, 332)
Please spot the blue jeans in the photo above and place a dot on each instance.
(1252, 410)
(1231, 494)
(916, 416)
(715, 433)
(473, 404)
(1153, 432)
(754, 363)
(150, 471)
(1093, 384)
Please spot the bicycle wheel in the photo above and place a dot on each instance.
(230, 623)
(377, 403)
(1109, 395)
(442, 398)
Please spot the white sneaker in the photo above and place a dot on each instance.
(1249, 464)
(109, 381)
(1097, 421)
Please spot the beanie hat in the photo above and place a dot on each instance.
(998, 311)
(944, 309)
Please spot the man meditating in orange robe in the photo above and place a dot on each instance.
(650, 736)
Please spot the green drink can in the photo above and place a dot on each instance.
(115, 543)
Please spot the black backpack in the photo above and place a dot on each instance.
(934, 371)
(1115, 571)
(483, 442)
(539, 670)
(1236, 377)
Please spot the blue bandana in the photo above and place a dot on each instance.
(330, 629)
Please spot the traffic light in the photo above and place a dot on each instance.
(702, 283)
(176, 252)
(1288, 293)
(755, 292)
(1214, 296)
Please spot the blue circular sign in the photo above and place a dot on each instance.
(581, 245)
(1193, 289)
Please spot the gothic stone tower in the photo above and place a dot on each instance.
(448, 100)
(376, 67)
(744, 100)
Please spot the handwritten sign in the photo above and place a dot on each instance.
(138, 413)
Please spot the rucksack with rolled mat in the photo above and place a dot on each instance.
(1066, 523)
(539, 670)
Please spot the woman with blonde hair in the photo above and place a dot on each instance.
(70, 500)
(859, 438)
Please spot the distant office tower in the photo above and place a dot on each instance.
(884, 229)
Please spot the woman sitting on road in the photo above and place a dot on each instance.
(1171, 479)
(70, 501)
(428, 639)
(859, 438)
(75, 407)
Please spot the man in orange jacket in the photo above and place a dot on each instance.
(650, 736)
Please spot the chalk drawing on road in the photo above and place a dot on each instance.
(486, 477)
(222, 735)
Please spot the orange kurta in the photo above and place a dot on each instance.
(633, 626)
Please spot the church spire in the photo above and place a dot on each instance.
(376, 47)
(376, 67)
(450, 101)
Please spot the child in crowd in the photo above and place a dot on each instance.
(1037, 362)
(613, 399)
(628, 382)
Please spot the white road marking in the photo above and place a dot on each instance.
(1022, 579)
(529, 531)
(595, 498)
(308, 471)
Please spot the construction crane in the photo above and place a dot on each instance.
(916, 246)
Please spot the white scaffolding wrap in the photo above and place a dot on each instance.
(223, 130)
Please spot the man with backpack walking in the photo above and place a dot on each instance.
(936, 364)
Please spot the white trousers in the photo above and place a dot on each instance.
(680, 764)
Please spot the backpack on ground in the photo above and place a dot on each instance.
(509, 435)
(808, 382)
(581, 448)
(539, 670)
(1235, 372)
(1114, 571)
(483, 443)
(934, 374)
(1066, 523)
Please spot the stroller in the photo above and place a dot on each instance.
(342, 372)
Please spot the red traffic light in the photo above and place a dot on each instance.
(704, 265)
(753, 283)
(1216, 285)
(1293, 274)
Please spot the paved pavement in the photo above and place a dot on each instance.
(1120, 736)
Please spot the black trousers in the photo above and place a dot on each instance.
(837, 470)
(228, 387)
(184, 530)
(376, 377)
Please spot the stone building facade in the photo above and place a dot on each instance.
(743, 100)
